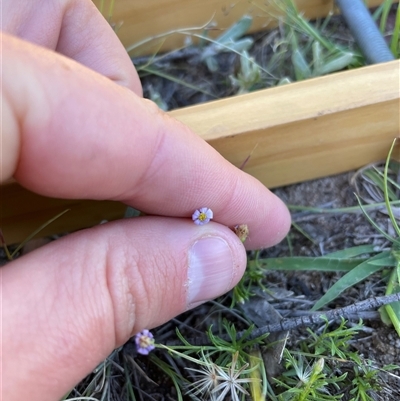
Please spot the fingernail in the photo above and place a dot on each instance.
(211, 270)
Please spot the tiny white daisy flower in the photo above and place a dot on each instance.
(144, 342)
(202, 216)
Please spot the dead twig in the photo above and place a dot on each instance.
(295, 322)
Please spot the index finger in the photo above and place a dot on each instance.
(74, 28)
(82, 136)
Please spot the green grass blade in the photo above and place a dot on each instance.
(377, 177)
(350, 209)
(299, 263)
(176, 80)
(394, 43)
(386, 235)
(387, 4)
(352, 252)
(101, 6)
(393, 310)
(128, 384)
(163, 36)
(388, 261)
(111, 10)
(302, 232)
(27, 239)
(4, 246)
(386, 194)
(295, 19)
(392, 166)
(359, 273)
(290, 244)
(396, 255)
(168, 370)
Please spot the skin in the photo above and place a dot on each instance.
(75, 125)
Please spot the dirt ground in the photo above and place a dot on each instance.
(331, 233)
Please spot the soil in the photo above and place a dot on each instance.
(331, 233)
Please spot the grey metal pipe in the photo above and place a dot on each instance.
(367, 35)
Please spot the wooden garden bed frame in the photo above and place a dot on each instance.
(301, 131)
(152, 22)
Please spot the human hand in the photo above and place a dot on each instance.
(75, 126)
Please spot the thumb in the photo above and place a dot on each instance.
(67, 305)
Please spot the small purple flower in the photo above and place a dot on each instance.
(202, 216)
(144, 342)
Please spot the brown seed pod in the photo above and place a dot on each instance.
(242, 231)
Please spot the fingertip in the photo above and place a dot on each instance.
(269, 222)
(10, 141)
(279, 221)
(216, 264)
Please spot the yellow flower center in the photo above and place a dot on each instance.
(145, 341)
(202, 216)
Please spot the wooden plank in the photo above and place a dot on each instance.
(144, 19)
(22, 212)
(308, 129)
(305, 130)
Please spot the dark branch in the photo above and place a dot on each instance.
(292, 323)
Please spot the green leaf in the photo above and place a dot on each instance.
(386, 192)
(394, 43)
(339, 63)
(317, 57)
(388, 261)
(396, 255)
(393, 309)
(301, 68)
(359, 273)
(241, 45)
(386, 6)
(306, 263)
(352, 252)
(377, 178)
(384, 315)
(236, 31)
